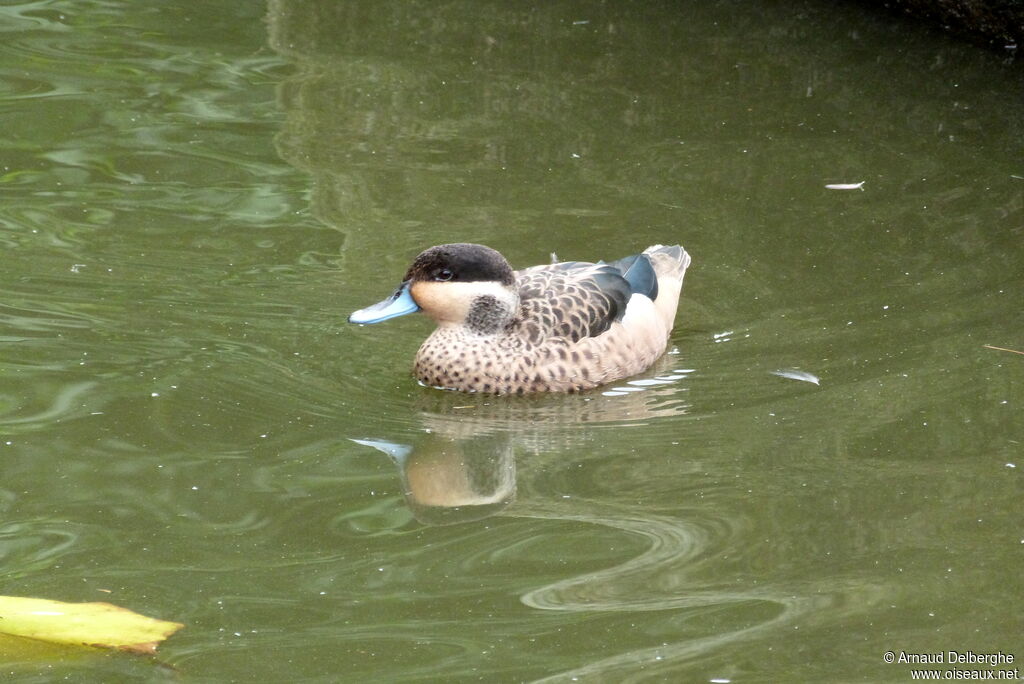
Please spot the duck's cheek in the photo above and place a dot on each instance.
(444, 302)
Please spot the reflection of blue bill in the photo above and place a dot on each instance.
(399, 452)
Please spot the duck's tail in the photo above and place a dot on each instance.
(670, 264)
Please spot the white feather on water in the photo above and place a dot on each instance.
(792, 374)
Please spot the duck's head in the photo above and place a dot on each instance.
(457, 284)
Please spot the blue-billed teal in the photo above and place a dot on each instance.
(562, 327)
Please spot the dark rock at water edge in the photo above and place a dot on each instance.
(997, 23)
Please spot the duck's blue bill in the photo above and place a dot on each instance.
(398, 304)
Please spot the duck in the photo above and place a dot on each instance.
(559, 327)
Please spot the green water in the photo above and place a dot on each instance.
(195, 195)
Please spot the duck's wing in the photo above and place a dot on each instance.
(575, 300)
(638, 272)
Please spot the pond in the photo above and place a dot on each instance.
(828, 466)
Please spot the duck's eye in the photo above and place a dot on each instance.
(443, 275)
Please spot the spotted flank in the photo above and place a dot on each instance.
(562, 327)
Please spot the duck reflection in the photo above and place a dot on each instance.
(462, 466)
(447, 480)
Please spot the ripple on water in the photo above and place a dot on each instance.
(30, 547)
(641, 384)
(416, 648)
(670, 575)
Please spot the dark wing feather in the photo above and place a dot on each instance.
(639, 273)
(571, 300)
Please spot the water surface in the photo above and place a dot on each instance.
(194, 197)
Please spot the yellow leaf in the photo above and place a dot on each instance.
(101, 625)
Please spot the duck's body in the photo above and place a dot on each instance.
(559, 328)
